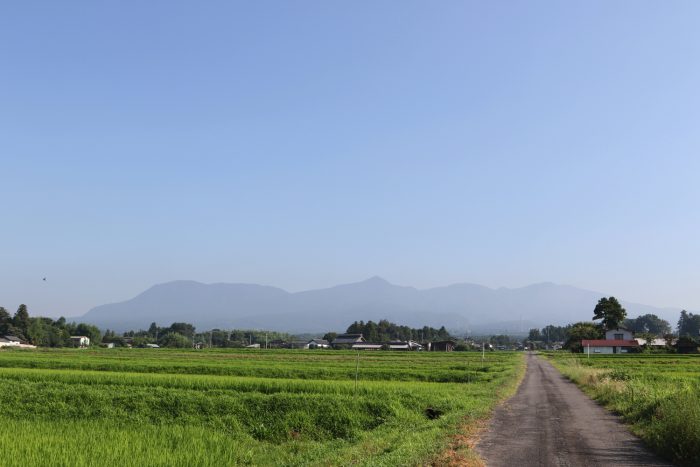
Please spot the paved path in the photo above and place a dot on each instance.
(550, 422)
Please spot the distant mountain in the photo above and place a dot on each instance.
(459, 307)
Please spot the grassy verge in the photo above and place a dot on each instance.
(460, 451)
(659, 396)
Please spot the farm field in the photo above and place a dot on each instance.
(658, 394)
(232, 407)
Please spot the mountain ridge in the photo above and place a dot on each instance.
(462, 307)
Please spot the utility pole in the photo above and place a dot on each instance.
(483, 351)
(357, 370)
(265, 340)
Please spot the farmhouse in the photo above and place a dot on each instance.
(15, 342)
(10, 341)
(318, 344)
(401, 345)
(618, 340)
(347, 340)
(80, 341)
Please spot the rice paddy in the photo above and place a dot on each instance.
(243, 407)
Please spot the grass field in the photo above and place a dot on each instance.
(659, 395)
(256, 407)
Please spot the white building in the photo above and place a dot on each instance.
(619, 340)
(620, 334)
(318, 344)
(8, 342)
(80, 341)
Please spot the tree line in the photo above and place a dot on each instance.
(183, 335)
(44, 332)
(385, 331)
(611, 314)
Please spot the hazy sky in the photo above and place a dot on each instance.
(303, 144)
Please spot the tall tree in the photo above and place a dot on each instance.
(153, 330)
(5, 321)
(689, 324)
(610, 312)
(36, 332)
(21, 320)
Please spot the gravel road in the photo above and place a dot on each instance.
(550, 422)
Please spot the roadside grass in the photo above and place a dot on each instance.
(659, 395)
(461, 449)
(239, 407)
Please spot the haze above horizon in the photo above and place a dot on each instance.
(308, 144)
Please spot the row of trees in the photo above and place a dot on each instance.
(45, 332)
(184, 335)
(385, 331)
(611, 315)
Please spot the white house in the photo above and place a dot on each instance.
(15, 342)
(80, 341)
(5, 342)
(318, 344)
(619, 334)
(618, 340)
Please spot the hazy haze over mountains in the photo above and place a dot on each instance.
(459, 307)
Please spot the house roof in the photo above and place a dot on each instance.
(13, 338)
(79, 337)
(2, 339)
(348, 339)
(319, 341)
(609, 343)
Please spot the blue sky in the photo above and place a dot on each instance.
(304, 144)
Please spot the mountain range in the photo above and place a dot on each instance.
(459, 307)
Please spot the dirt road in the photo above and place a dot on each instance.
(550, 422)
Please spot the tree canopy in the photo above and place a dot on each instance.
(610, 312)
(649, 324)
(689, 324)
(385, 331)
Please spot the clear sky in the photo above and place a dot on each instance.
(304, 144)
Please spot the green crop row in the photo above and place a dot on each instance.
(72, 407)
(323, 365)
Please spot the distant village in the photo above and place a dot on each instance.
(614, 334)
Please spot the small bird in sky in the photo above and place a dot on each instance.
(44, 279)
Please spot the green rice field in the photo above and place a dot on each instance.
(243, 407)
(658, 394)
